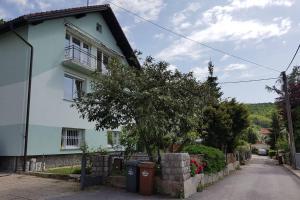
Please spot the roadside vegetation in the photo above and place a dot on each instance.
(165, 111)
(279, 134)
(214, 158)
(65, 170)
(261, 114)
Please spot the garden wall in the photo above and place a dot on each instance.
(176, 180)
(297, 157)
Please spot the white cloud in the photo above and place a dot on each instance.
(159, 36)
(237, 5)
(43, 6)
(3, 14)
(172, 67)
(235, 66)
(149, 9)
(126, 29)
(223, 72)
(200, 72)
(222, 26)
(225, 57)
(226, 29)
(180, 49)
(193, 7)
(18, 2)
(246, 74)
(179, 19)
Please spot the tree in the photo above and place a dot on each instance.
(214, 91)
(240, 121)
(225, 123)
(155, 105)
(275, 130)
(293, 80)
(2, 21)
(217, 126)
(251, 135)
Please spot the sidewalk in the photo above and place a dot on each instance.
(296, 172)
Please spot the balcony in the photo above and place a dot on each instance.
(80, 59)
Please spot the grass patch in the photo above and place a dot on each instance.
(65, 170)
(117, 172)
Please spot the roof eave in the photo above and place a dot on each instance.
(105, 10)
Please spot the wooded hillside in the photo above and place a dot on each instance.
(261, 113)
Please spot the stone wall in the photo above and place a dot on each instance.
(297, 157)
(175, 177)
(231, 158)
(175, 168)
(47, 161)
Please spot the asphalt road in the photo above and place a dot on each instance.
(262, 179)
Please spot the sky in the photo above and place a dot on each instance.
(266, 32)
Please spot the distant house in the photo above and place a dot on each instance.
(68, 45)
(263, 136)
(265, 131)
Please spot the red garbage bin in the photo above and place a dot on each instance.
(147, 170)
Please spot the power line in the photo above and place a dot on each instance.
(190, 39)
(247, 81)
(293, 58)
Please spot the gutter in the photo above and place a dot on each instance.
(28, 95)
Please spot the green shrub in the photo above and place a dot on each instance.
(272, 153)
(68, 170)
(282, 144)
(255, 151)
(214, 158)
(193, 170)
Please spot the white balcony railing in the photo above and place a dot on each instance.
(81, 57)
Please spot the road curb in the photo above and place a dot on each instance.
(293, 171)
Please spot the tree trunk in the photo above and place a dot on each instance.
(148, 149)
(158, 155)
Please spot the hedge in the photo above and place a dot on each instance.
(272, 153)
(214, 158)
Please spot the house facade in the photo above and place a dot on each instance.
(68, 45)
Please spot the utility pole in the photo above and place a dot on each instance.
(289, 118)
(87, 2)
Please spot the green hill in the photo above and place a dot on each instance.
(261, 113)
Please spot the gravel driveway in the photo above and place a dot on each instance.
(15, 186)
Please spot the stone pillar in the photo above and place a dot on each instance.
(175, 171)
(100, 165)
(32, 164)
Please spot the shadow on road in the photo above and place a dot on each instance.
(262, 160)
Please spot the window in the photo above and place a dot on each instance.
(76, 50)
(72, 138)
(113, 138)
(86, 54)
(67, 40)
(73, 87)
(102, 61)
(99, 28)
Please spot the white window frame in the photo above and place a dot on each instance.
(83, 58)
(74, 78)
(101, 59)
(72, 138)
(115, 137)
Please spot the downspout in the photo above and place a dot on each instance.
(28, 95)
